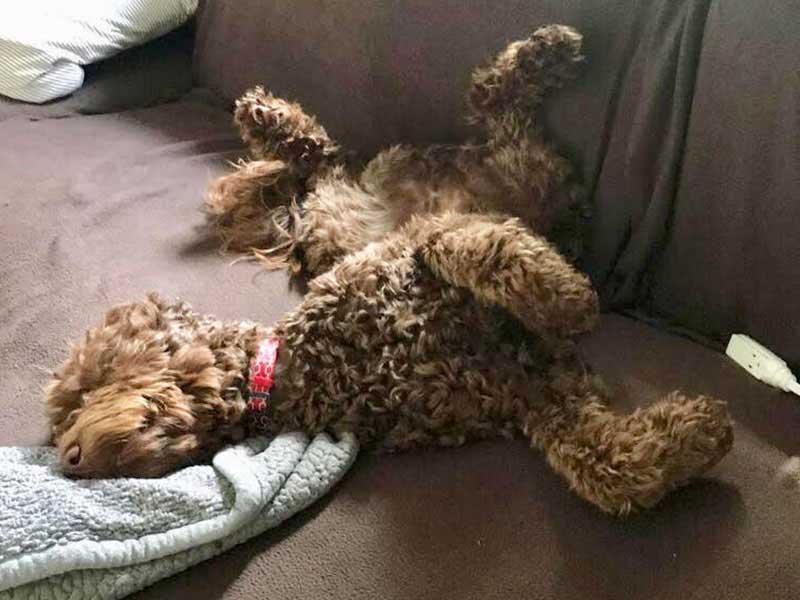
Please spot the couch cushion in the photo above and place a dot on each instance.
(96, 210)
(382, 72)
(731, 260)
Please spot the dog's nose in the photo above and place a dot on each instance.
(72, 457)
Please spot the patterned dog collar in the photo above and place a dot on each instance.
(261, 376)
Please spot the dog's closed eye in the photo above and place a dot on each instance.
(73, 456)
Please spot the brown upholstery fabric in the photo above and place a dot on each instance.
(95, 210)
(732, 262)
(634, 188)
(383, 72)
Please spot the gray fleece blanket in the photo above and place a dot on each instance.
(62, 538)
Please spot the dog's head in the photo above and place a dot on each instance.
(129, 401)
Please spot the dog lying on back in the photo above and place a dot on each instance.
(438, 316)
(411, 342)
(296, 202)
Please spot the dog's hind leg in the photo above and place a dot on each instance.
(518, 78)
(623, 463)
(505, 97)
(504, 264)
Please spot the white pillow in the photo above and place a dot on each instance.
(43, 43)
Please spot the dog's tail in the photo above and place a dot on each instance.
(516, 81)
(255, 210)
(285, 252)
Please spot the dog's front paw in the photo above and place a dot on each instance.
(276, 128)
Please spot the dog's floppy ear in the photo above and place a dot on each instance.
(194, 370)
(168, 410)
(196, 374)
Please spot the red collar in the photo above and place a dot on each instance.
(262, 370)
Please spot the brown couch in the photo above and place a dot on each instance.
(685, 128)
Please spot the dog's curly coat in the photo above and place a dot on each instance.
(299, 202)
(438, 318)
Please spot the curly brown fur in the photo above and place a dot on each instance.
(403, 343)
(437, 318)
(274, 128)
(249, 210)
(152, 387)
(505, 86)
(514, 172)
(503, 265)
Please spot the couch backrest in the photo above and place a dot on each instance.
(731, 259)
(654, 156)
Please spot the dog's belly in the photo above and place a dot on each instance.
(397, 356)
(444, 384)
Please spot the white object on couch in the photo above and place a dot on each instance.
(44, 43)
(762, 363)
